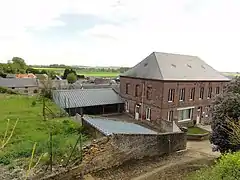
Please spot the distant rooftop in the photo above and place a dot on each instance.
(86, 97)
(166, 66)
(18, 82)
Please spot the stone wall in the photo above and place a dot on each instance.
(115, 150)
(137, 146)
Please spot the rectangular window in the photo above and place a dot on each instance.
(148, 114)
(209, 92)
(170, 116)
(149, 93)
(217, 90)
(171, 93)
(182, 94)
(126, 106)
(201, 93)
(185, 114)
(192, 94)
(127, 88)
(137, 88)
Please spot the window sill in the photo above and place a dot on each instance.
(200, 98)
(148, 119)
(184, 120)
(127, 111)
(170, 101)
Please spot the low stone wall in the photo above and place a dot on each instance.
(114, 150)
(137, 146)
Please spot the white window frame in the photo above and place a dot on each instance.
(192, 94)
(168, 115)
(182, 94)
(201, 93)
(148, 114)
(217, 90)
(191, 113)
(209, 95)
(171, 93)
(126, 106)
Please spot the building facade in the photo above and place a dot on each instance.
(171, 87)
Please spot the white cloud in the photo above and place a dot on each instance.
(208, 29)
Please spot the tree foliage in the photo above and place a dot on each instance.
(226, 110)
(71, 78)
(228, 167)
(68, 71)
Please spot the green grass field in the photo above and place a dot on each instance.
(32, 128)
(85, 73)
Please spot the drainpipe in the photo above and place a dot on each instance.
(143, 89)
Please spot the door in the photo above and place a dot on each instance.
(137, 112)
(199, 114)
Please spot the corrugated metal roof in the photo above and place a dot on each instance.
(18, 82)
(166, 66)
(86, 97)
(109, 127)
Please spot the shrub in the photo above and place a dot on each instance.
(34, 103)
(227, 167)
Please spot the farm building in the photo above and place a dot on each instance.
(89, 101)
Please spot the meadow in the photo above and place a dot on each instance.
(83, 72)
(31, 128)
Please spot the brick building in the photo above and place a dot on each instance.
(171, 87)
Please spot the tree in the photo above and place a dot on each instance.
(71, 78)
(68, 71)
(225, 111)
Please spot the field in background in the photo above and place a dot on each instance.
(32, 128)
(82, 72)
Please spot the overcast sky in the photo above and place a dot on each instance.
(119, 32)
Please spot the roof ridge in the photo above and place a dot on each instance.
(154, 53)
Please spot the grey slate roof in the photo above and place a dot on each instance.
(109, 127)
(18, 82)
(85, 97)
(165, 66)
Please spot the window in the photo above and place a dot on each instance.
(126, 106)
(148, 114)
(185, 114)
(127, 88)
(13, 87)
(137, 88)
(170, 116)
(201, 94)
(192, 93)
(209, 92)
(149, 93)
(171, 93)
(26, 87)
(217, 90)
(182, 94)
(26, 91)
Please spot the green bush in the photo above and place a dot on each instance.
(227, 167)
(6, 90)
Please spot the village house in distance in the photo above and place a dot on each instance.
(171, 87)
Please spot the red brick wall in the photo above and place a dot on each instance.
(159, 103)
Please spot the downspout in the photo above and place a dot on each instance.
(143, 90)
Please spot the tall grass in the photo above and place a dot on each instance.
(31, 128)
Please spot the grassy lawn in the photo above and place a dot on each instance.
(31, 128)
(196, 130)
(87, 73)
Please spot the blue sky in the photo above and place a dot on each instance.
(119, 32)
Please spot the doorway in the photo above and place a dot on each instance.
(199, 115)
(137, 109)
